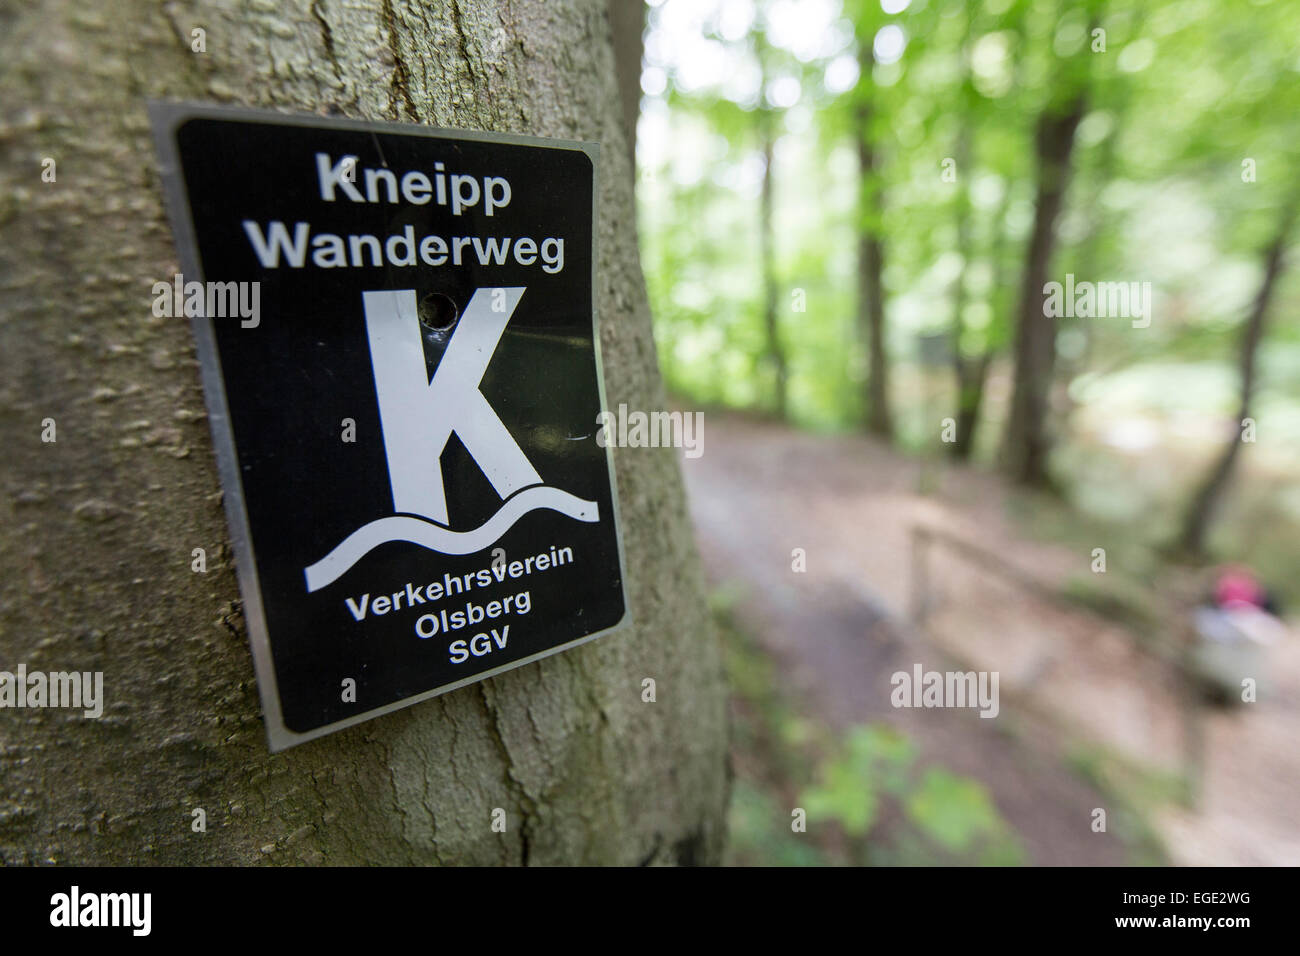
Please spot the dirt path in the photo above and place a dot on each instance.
(760, 491)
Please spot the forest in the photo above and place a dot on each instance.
(992, 307)
(899, 435)
(853, 217)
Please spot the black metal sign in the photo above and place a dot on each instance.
(397, 337)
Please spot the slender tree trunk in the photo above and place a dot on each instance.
(969, 373)
(1205, 502)
(98, 527)
(1026, 443)
(971, 377)
(972, 395)
(767, 242)
(627, 26)
(871, 264)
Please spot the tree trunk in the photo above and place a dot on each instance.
(767, 255)
(871, 263)
(627, 26)
(1025, 443)
(1205, 501)
(971, 377)
(99, 526)
(969, 373)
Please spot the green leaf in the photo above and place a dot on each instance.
(954, 811)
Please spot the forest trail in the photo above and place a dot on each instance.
(1068, 678)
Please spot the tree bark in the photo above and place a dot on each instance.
(99, 526)
(1026, 443)
(969, 373)
(1205, 502)
(627, 27)
(871, 263)
(767, 256)
(971, 377)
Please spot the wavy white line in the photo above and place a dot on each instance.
(435, 537)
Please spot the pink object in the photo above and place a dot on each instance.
(1236, 588)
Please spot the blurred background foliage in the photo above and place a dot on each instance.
(849, 211)
(813, 173)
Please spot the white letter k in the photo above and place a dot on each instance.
(418, 415)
